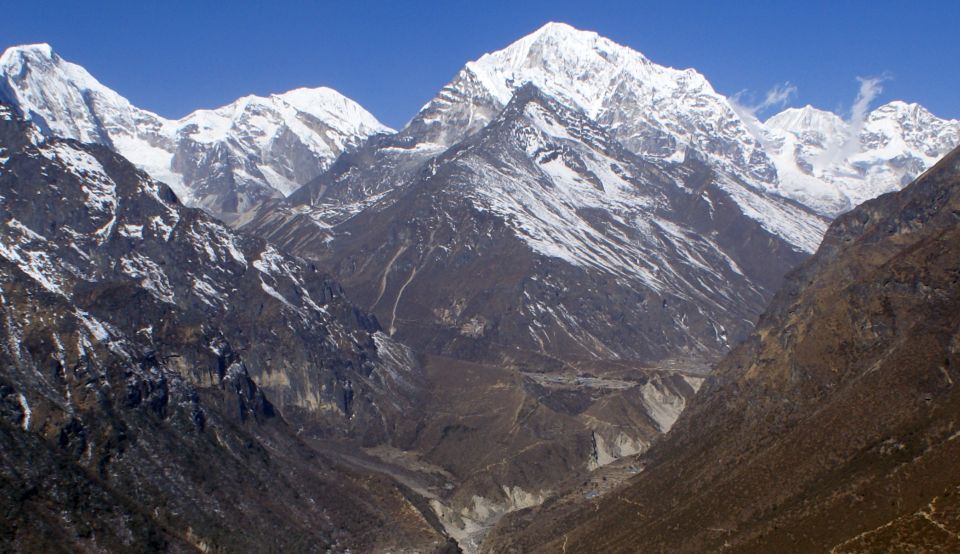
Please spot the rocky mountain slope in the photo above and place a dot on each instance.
(587, 227)
(832, 428)
(581, 287)
(224, 160)
(566, 181)
(163, 377)
(504, 229)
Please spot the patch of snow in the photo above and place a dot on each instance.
(151, 276)
(397, 361)
(99, 189)
(162, 228)
(98, 330)
(225, 241)
(131, 231)
(270, 262)
(801, 230)
(27, 232)
(35, 262)
(207, 293)
(27, 413)
(273, 292)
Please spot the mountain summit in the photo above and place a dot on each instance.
(653, 110)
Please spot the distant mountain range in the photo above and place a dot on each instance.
(833, 165)
(232, 158)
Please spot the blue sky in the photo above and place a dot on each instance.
(172, 57)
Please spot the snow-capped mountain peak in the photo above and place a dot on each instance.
(807, 120)
(572, 65)
(806, 154)
(224, 160)
(325, 105)
(41, 49)
(282, 139)
(63, 98)
(330, 105)
(914, 127)
(653, 110)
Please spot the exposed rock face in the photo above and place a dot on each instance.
(224, 160)
(134, 332)
(833, 427)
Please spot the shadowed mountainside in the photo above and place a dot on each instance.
(133, 334)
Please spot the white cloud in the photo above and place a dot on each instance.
(776, 97)
(842, 147)
(849, 143)
(870, 88)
